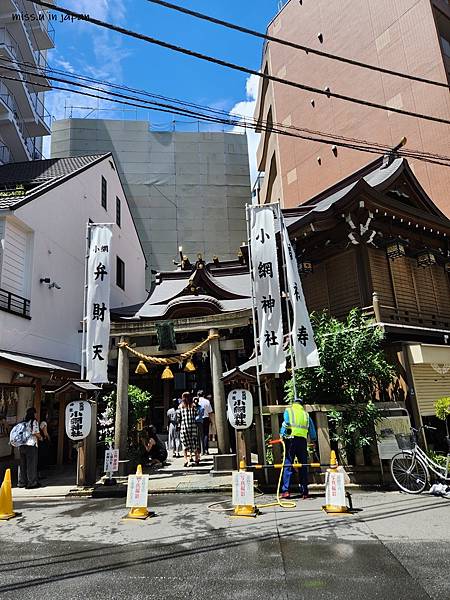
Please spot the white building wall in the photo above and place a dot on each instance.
(58, 221)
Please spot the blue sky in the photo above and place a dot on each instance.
(89, 50)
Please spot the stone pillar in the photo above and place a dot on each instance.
(220, 410)
(259, 437)
(90, 472)
(121, 425)
(166, 400)
(271, 390)
(323, 437)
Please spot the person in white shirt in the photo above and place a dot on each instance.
(207, 410)
(28, 472)
(174, 418)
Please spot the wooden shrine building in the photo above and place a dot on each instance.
(376, 241)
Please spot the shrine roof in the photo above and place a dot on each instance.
(380, 176)
(202, 289)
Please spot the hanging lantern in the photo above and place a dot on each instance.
(395, 249)
(141, 369)
(167, 373)
(305, 267)
(189, 367)
(426, 259)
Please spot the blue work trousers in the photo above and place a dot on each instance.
(296, 447)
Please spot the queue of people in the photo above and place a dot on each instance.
(189, 424)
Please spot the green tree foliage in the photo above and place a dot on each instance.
(138, 405)
(442, 408)
(352, 370)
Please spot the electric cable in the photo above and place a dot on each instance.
(230, 65)
(252, 123)
(290, 44)
(364, 146)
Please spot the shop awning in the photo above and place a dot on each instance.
(429, 354)
(25, 362)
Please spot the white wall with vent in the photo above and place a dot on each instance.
(46, 238)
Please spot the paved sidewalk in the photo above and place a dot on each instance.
(172, 478)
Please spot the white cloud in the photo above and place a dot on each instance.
(246, 109)
(102, 60)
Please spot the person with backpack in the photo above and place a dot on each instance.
(26, 439)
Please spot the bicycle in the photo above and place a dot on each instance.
(410, 469)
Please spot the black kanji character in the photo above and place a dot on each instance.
(268, 303)
(98, 312)
(296, 292)
(239, 420)
(97, 349)
(76, 427)
(263, 235)
(291, 256)
(302, 335)
(270, 338)
(265, 270)
(100, 272)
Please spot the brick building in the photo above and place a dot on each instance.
(404, 35)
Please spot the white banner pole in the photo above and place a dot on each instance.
(256, 340)
(83, 339)
(286, 296)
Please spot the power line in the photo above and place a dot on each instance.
(245, 119)
(236, 67)
(235, 123)
(228, 119)
(307, 49)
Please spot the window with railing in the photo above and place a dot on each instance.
(15, 254)
(15, 304)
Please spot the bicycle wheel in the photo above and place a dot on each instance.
(410, 474)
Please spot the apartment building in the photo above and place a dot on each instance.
(411, 36)
(26, 33)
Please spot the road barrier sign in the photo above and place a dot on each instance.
(111, 461)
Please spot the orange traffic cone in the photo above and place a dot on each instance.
(139, 512)
(6, 500)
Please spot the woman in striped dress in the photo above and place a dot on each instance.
(188, 433)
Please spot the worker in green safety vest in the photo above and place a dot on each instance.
(297, 425)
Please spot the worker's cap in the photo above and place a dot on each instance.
(297, 399)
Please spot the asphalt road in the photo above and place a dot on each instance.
(397, 548)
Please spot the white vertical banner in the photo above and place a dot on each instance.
(97, 305)
(267, 289)
(301, 337)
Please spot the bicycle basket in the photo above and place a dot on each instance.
(404, 441)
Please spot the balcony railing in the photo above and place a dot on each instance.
(15, 304)
(8, 40)
(41, 110)
(41, 19)
(28, 140)
(383, 313)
